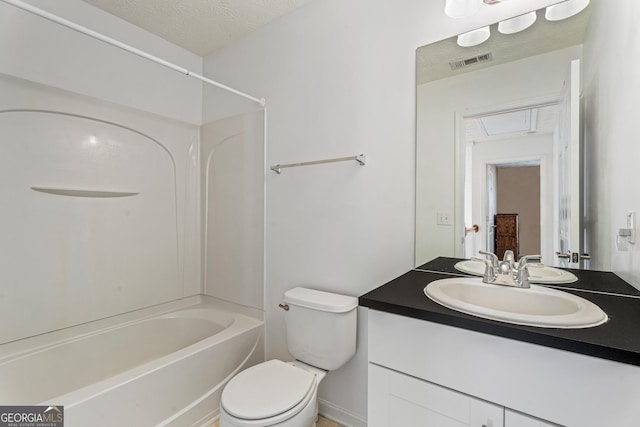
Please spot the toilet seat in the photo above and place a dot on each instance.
(272, 391)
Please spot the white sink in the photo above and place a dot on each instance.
(534, 306)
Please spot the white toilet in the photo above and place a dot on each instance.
(321, 335)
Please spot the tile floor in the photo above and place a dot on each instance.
(322, 422)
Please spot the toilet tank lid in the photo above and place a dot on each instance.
(320, 300)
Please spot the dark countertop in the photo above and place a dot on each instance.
(618, 339)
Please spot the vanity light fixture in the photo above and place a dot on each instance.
(565, 9)
(474, 38)
(464, 8)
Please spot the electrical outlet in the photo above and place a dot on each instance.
(444, 218)
(631, 225)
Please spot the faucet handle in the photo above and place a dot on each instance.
(489, 270)
(494, 258)
(522, 277)
(522, 281)
(525, 259)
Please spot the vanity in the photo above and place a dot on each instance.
(433, 365)
(430, 365)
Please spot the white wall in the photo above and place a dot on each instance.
(512, 197)
(611, 90)
(44, 52)
(339, 79)
(484, 90)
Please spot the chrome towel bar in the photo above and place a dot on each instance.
(360, 158)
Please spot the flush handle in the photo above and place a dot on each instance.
(285, 307)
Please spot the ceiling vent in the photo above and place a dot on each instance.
(456, 65)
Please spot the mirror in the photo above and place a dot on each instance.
(492, 124)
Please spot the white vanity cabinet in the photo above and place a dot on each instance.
(425, 374)
(396, 399)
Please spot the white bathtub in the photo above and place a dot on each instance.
(165, 365)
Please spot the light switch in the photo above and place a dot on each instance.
(444, 218)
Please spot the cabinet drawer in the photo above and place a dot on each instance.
(396, 399)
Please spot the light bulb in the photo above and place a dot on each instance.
(565, 9)
(517, 24)
(474, 38)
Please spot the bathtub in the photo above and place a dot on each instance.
(165, 365)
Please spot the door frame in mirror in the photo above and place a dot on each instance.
(546, 221)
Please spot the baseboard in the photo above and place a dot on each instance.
(340, 415)
(208, 420)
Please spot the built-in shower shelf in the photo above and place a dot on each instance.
(77, 192)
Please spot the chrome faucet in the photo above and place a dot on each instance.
(507, 272)
(509, 257)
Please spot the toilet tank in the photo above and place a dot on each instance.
(321, 327)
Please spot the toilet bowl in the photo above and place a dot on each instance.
(273, 393)
(321, 335)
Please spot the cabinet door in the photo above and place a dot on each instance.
(516, 419)
(396, 400)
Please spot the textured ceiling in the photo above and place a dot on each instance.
(201, 26)
(432, 61)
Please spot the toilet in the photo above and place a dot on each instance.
(321, 335)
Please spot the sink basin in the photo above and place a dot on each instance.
(543, 274)
(534, 306)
